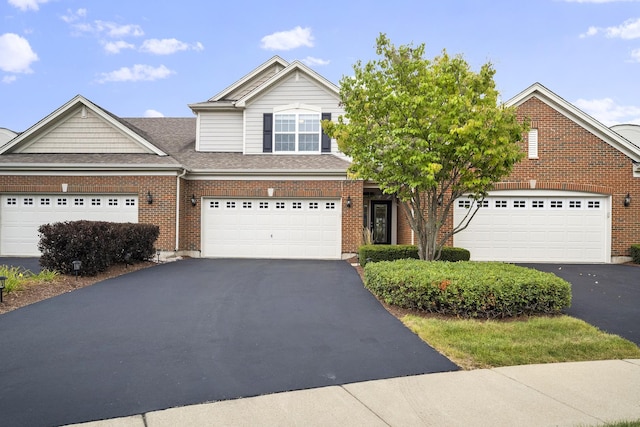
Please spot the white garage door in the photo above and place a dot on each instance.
(272, 228)
(21, 215)
(537, 228)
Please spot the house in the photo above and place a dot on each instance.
(253, 175)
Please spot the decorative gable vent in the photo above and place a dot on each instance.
(533, 143)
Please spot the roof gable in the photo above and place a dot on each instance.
(80, 127)
(252, 80)
(578, 116)
(291, 69)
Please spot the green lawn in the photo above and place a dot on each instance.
(476, 344)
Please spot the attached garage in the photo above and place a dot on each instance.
(537, 226)
(272, 228)
(22, 214)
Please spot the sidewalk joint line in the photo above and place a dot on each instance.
(365, 405)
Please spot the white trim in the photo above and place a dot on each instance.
(67, 172)
(272, 61)
(578, 116)
(242, 176)
(198, 121)
(543, 193)
(282, 109)
(79, 100)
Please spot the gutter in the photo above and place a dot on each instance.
(184, 172)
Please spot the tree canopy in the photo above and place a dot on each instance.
(428, 131)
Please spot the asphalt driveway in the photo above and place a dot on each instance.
(195, 331)
(604, 295)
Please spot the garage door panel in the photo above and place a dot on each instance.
(550, 228)
(22, 215)
(278, 228)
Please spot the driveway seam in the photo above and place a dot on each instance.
(366, 406)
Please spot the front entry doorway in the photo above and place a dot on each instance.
(380, 225)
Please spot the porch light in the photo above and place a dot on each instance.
(194, 201)
(348, 201)
(149, 197)
(2, 279)
(627, 200)
(76, 267)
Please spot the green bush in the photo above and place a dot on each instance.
(467, 289)
(377, 253)
(635, 253)
(97, 244)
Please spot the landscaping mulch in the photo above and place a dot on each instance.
(38, 291)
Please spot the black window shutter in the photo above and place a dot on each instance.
(326, 141)
(267, 133)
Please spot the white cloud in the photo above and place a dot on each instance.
(153, 113)
(635, 55)
(629, 29)
(598, 1)
(608, 112)
(311, 61)
(167, 46)
(137, 73)
(9, 79)
(116, 47)
(110, 29)
(16, 55)
(72, 16)
(27, 4)
(287, 40)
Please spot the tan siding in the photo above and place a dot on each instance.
(78, 134)
(254, 82)
(221, 131)
(294, 89)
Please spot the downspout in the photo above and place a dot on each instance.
(184, 172)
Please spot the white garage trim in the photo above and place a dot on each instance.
(272, 228)
(22, 214)
(537, 226)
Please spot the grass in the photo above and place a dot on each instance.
(17, 277)
(473, 344)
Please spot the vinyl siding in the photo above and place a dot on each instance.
(88, 134)
(220, 131)
(297, 88)
(254, 82)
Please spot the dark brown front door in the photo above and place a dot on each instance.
(381, 221)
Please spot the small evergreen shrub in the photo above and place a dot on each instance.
(97, 244)
(376, 253)
(467, 289)
(635, 253)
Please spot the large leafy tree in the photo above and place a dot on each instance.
(428, 131)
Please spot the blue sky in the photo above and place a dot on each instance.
(139, 58)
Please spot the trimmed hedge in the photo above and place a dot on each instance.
(377, 253)
(467, 289)
(635, 253)
(98, 244)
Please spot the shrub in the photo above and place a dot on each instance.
(97, 244)
(467, 289)
(376, 253)
(635, 253)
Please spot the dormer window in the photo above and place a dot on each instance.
(296, 132)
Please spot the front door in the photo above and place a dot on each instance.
(381, 221)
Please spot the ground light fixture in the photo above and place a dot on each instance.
(627, 200)
(76, 267)
(194, 201)
(2, 279)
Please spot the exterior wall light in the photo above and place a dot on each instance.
(627, 200)
(194, 201)
(149, 197)
(348, 201)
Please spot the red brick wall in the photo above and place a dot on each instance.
(161, 212)
(190, 224)
(571, 158)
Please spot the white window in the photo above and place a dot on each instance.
(575, 204)
(214, 205)
(465, 204)
(130, 202)
(264, 205)
(519, 204)
(78, 202)
(231, 205)
(113, 202)
(330, 205)
(296, 132)
(313, 205)
(45, 201)
(556, 204)
(533, 144)
(246, 205)
(12, 201)
(501, 204)
(96, 202)
(62, 202)
(279, 205)
(296, 205)
(27, 201)
(483, 203)
(593, 204)
(537, 204)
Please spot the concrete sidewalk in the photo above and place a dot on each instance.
(562, 394)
